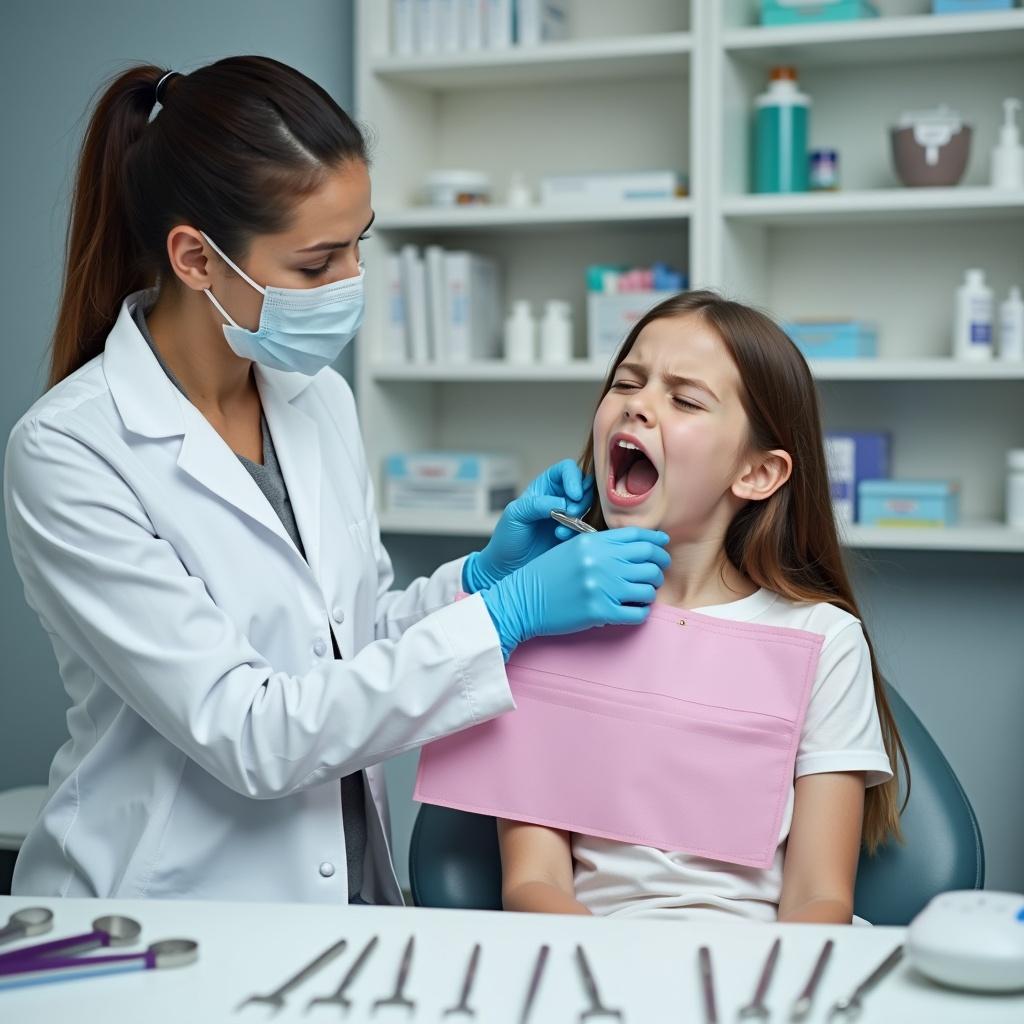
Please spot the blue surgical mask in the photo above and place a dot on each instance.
(301, 330)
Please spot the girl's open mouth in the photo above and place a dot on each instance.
(632, 475)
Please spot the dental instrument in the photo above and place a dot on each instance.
(25, 923)
(597, 1007)
(398, 997)
(534, 986)
(850, 1007)
(339, 998)
(804, 1001)
(276, 998)
(462, 1006)
(756, 1008)
(571, 521)
(707, 984)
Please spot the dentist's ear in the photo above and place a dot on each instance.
(762, 477)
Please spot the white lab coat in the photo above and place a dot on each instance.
(209, 720)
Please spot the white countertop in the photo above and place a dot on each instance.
(648, 968)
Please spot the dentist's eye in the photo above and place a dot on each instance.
(315, 271)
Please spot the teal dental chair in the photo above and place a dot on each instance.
(454, 860)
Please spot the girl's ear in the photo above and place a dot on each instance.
(764, 476)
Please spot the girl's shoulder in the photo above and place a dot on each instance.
(768, 608)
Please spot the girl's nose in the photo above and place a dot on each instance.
(639, 410)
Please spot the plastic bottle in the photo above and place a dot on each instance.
(1015, 488)
(519, 195)
(556, 333)
(1008, 155)
(972, 338)
(780, 135)
(1011, 326)
(521, 334)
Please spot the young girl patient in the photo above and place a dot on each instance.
(708, 429)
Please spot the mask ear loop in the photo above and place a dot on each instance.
(237, 269)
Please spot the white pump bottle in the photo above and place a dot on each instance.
(1008, 155)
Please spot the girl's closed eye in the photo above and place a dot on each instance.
(685, 403)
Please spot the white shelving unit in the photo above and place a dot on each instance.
(664, 83)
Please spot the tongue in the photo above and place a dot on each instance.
(641, 477)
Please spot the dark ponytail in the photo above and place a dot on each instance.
(233, 146)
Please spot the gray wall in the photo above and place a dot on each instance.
(54, 55)
(948, 627)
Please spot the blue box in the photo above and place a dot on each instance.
(854, 456)
(909, 502)
(834, 339)
(814, 12)
(970, 6)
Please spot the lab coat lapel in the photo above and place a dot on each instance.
(296, 441)
(206, 458)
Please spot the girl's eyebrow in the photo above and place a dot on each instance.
(673, 380)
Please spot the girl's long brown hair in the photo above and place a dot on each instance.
(232, 147)
(788, 543)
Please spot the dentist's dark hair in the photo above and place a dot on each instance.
(232, 148)
(787, 543)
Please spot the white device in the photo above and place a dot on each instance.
(970, 939)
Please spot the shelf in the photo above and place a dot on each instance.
(491, 372)
(578, 60)
(583, 370)
(476, 218)
(881, 40)
(896, 205)
(977, 537)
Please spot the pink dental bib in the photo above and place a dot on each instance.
(680, 734)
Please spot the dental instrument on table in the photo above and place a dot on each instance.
(756, 1008)
(112, 930)
(534, 986)
(339, 998)
(707, 984)
(25, 923)
(158, 956)
(462, 1006)
(398, 997)
(597, 1007)
(804, 1001)
(850, 1007)
(564, 519)
(276, 998)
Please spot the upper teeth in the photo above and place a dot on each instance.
(629, 445)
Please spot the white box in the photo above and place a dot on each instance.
(841, 459)
(475, 304)
(467, 483)
(403, 31)
(426, 25)
(500, 24)
(566, 189)
(473, 23)
(611, 317)
(541, 21)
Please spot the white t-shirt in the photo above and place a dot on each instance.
(841, 732)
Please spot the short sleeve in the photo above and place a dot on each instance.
(841, 730)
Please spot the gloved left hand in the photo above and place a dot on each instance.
(526, 528)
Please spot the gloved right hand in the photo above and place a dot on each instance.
(594, 579)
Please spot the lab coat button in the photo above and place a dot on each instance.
(327, 869)
(338, 615)
(320, 648)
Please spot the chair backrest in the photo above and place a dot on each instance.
(454, 860)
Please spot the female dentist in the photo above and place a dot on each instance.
(190, 510)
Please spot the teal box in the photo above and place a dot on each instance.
(814, 12)
(834, 339)
(970, 6)
(908, 502)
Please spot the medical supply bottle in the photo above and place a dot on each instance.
(972, 333)
(556, 334)
(521, 335)
(780, 135)
(1008, 155)
(1015, 488)
(1011, 327)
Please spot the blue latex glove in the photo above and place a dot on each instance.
(526, 528)
(594, 579)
